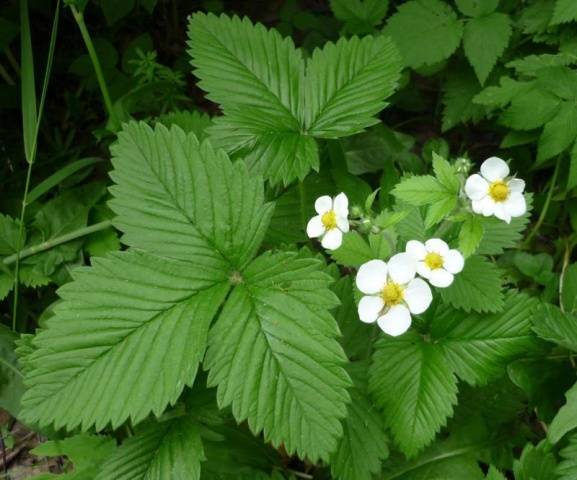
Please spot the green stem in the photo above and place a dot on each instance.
(79, 17)
(42, 247)
(6, 76)
(545, 208)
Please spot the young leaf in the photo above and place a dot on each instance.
(485, 40)
(110, 351)
(347, 84)
(565, 11)
(477, 287)
(446, 174)
(421, 190)
(470, 235)
(364, 444)
(438, 211)
(566, 418)
(426, 31)
(416, 388)
(494, 474)
(274, 357)
(159, 450)
(479, 347)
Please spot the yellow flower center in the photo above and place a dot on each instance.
(433, 260)
(392, 294)
(499, 191)
(329, 219)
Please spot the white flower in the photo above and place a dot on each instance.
(494, 193)
(331, 221)
(435, 261)
(392, 293)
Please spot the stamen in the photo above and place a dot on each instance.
(392, 294)
(329, 220)
(434, 260)
(499, 191)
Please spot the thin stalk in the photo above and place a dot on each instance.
(6, 76)
(545, 208)
(12, 60)
(42, 247)
(79, 18)
(566, 260)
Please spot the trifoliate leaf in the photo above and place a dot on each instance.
(565, 11)
(347, 84)
(477, 287)
(553, 325)
(559, 133)
(566, 418)
(470, 235)
(416, 388)
(485, 40)
(426, 31)
(158, 450)
(479, 346)
(421, 190)
(275, 340)
(364, 444)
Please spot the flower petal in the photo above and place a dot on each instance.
(343, 224)
(486, 206)
(416, 249)
(332, 239)
(341, 205)
(441, 278)
(323, 204)
(502, 213)
(423, 270)
(516, 204)
(516, 185)
(315, 227)
(494, 169)
(402, 268)
(396, 321)
(372, 277)
(418, 295)
(476, 187)
(437, 245)
(370, 307)
(453, 261)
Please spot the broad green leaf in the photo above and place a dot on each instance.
(567, 467)
(532, 108)
(532, 64)
(364, 444)
(566, 418)
(565, 11)
(347, 84)
(359, 16)
(553, 325)
(85, 452)
(459, 90)
(559, 133)
(446, 174)
(477, 287)
(470, 235)
(416, 388)
(110, 351)
(502, 94)
(479, 346)
(484, 41)
(536, 463)
(426, 31)
(477, 8)
(9, 235)
(158, 451)
(412, 225)
(494, 474)
(421, 190)
(179, 199)
(438, 211)
(569, 289)
(355, 250)
(453, 467)
(190, 121)
(274, 357)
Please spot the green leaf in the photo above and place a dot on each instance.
(347, 84)
(559, 133)
(532, 64)
(572, 179)
(131, 315)
(477, 287)
(485, 40)
(566, 418)
(420, 190)
(553, 325)
(9, 235)
(459, 90)
(355, 250)
(494, 474)
(426, 31)
(416, 388)
(446, 174)
(532, 108)
(536, 463)
(470, 235)
(275, 339)
(440, 210)
(85, 452)
(479, 346)
(567, 467)
(171, 449)
(565, 11)
(190, 121)
(113, 12)
(359, 16)
(569, 289)
(502, 94)
(11, 387)
(364, 444)
(477, 8)
(182, 200)
(28, 86)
